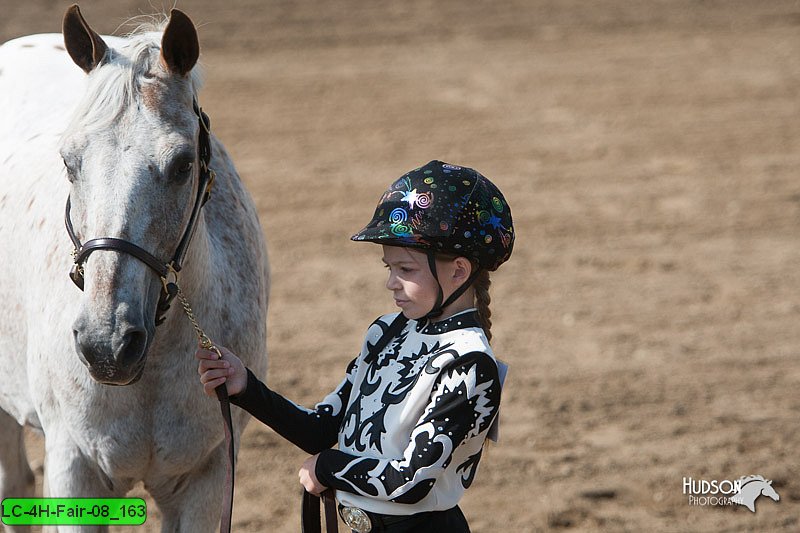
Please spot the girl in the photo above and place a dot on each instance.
(412, 413)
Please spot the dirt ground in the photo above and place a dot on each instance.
(650, 154)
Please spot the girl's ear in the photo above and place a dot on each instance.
(462, 270)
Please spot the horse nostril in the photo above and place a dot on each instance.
(87, 350)
(132, 347)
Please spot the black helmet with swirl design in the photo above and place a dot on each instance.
(444, 208)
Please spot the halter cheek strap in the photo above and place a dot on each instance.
(438, 307)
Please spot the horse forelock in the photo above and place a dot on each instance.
(125, 79)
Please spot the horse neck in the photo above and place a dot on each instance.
(753, 487)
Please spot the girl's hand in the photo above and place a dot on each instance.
(308, 478)
(214, 372)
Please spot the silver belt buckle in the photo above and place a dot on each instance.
(356, 519)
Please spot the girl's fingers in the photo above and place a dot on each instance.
(202, 353)
(214, 363)
(209, 375)
(207, 364)
(214, 371)
(213, 384)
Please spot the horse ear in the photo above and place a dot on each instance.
(85, 47)
(179, 46)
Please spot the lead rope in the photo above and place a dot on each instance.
(172, 287)
(310, 521)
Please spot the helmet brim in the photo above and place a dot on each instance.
(379, 235)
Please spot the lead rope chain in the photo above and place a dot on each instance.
(205, 341)
(222, 395)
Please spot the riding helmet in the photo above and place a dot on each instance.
(445, 208)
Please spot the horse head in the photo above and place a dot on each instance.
(130, 155)
(770, 492)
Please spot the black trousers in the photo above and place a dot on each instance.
(450, 521)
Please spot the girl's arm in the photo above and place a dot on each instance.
(311, 430)
(462, 406)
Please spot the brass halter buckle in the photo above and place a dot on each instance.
(356, 519)
(76, 272)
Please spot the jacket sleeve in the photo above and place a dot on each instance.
(462, 406)
(312, 430)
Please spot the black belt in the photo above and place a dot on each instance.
(383, 521)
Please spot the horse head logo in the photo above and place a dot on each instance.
(750, 488)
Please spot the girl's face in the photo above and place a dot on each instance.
(412, 284)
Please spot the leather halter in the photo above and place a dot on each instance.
(81, 251)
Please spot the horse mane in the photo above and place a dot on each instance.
(118, 80)
(744, 480)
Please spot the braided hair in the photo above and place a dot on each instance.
(482, 300)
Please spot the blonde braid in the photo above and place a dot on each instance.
(482, 298)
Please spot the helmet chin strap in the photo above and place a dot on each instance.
(438, 307)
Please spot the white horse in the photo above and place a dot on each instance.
(119, 137)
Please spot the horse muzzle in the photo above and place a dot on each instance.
(113, 359)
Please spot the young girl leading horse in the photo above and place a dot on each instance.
(414, 408)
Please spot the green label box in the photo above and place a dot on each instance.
(73, 511)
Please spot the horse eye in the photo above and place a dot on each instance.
(182, 170)
(70, 171)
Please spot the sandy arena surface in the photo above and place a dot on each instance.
(650, 153)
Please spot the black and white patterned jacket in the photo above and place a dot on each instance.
(410, 421)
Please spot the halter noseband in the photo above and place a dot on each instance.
(81, 251)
